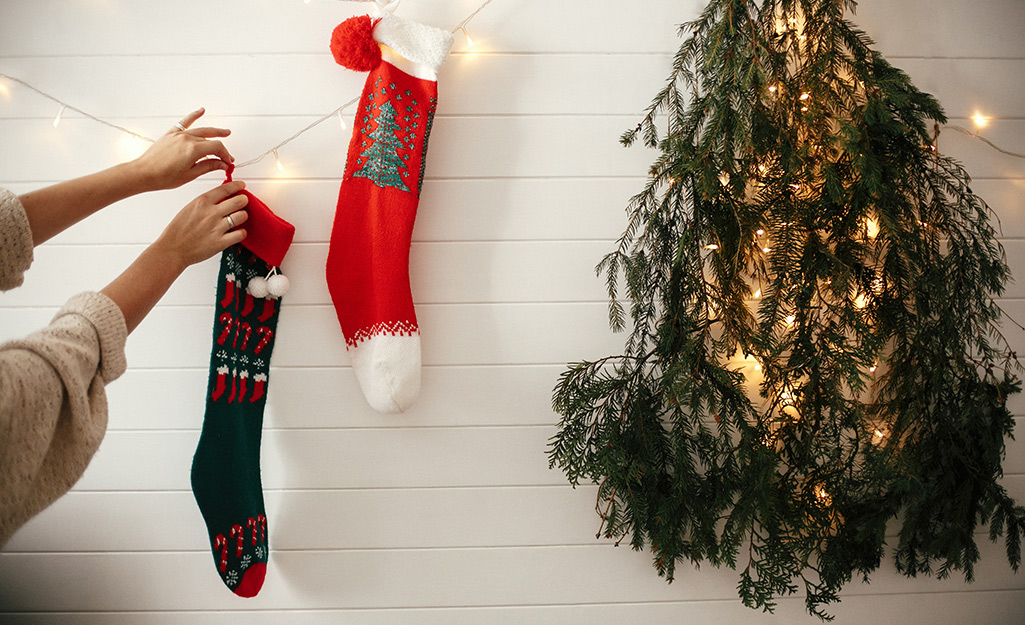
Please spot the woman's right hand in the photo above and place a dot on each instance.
(201, 229)
(181, 156)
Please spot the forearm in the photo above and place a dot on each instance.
(138, 289)
(55, 208)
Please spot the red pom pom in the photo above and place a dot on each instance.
(353, 45)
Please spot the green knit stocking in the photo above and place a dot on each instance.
(226, 467)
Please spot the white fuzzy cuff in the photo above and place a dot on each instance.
(424, 45)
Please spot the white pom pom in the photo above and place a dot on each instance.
(258, 287)
(277, 285)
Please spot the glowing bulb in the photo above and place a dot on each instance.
(790, 320)
(711, 246)
(859, 301)
(804, 109)
(980, 120)
(872, 369)
(823, 495)
(132, 146)
(766, 250)
(758, 294)
(341, 120)
(60, 113)
(805, 96)
(469, 40)
(4, 89)
(795, 187)
(758, 367)
(772, 89)
(872, 227)
(277, 160)
(759, 232)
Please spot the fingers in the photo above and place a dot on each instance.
(206, 166)
(207, 132)
(218, 194)
(236, 218)
(214, 148)
(191, 118)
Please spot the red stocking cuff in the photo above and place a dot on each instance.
(267, 235)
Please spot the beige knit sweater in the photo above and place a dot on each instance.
(53, 407)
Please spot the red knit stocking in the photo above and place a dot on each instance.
(368, 260)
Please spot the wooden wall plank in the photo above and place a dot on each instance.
(944, 608)
(373, 579)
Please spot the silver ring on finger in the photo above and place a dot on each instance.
(231, 222)
(179, 126)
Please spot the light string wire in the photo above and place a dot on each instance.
(274, 150)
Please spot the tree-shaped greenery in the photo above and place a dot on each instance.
(814, 349)
(381, 161)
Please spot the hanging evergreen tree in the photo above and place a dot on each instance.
(381, 161)
(814, 349)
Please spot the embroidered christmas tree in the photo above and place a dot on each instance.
(381, 163)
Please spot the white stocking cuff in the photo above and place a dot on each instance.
(420, 44)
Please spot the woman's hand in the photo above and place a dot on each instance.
(196, 233)
(207, 225)
(181, 156)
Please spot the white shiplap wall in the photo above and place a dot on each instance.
(447, 514)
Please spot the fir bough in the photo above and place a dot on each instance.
(814, 348)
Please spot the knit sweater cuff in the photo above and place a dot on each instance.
(107, 318)
(15, 241)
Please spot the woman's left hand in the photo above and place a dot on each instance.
(183, 154)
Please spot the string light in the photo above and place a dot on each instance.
(711, 246)
(469, 40)
(131, 144)
(60, 113)
(341, 120)
(759, 232)
(980, 120)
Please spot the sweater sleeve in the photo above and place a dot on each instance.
(15, 241)
(53, 404)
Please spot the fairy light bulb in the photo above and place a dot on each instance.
(469, 40)
(60, 114)
(790, 320)
(805, 96)
(4, 89)
(711, 246)
(981, 121)
(132, 146)
(772, 88)
(277, 160)
(823, 495)
(872, 227)
(758, 294)
(759, 232)
(341, 120)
